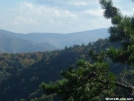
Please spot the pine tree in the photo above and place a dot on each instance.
(93, 82)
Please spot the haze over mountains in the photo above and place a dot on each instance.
(14, 42)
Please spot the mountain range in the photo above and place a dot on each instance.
(17, 42)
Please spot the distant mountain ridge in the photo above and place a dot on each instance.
(53, 40)
(10, 44)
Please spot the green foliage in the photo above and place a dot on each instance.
(44, 67)
(97, 57)
(12, 64)
(89, 79)
(122, 30)
(89, 82)
(110, 11)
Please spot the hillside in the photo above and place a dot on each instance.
(27, 71)
(12, 44)
(61, 40)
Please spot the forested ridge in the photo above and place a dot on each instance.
(94, 72)
(33, 42)
(93, 81)
(22, 73)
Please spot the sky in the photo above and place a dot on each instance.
(56, 16)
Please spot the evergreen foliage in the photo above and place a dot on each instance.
(28, 70)
(89, 79)
(91, 82)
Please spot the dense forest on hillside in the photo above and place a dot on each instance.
(92, 72)
(93, 81)
(22, 73)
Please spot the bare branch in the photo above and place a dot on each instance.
(130, 88)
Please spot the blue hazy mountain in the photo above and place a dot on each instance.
(10, 44)
(51, 41)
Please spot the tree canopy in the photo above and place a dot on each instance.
(93, 81)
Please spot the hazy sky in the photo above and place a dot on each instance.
(60, 16)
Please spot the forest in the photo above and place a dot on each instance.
(22, 73)
(93, 72)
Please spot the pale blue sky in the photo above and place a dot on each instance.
(59, 16)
